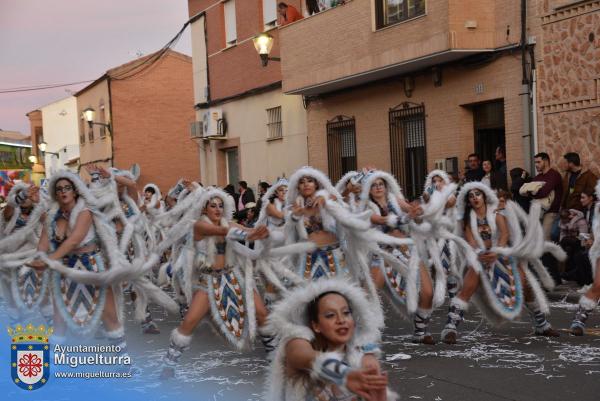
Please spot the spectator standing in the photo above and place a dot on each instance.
(519, 177)
(550, 195)
(551, 190)
(579, 268)
(575, 182)
(474, 172)
(246, 195)
(312, 6)
(500, 168)
(231, 191)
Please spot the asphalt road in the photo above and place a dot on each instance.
(504, 363)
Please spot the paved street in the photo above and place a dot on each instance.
(506, 363)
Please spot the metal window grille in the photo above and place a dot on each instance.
(408, 147)
(341, 146)
(91, 134)
(103, 121)
(391, 12)
(82, 131)
(274, 125)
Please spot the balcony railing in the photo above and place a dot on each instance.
(367, 40)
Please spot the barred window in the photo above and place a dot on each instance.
(102, 116)
(389, 12)
(408, 147)
(341, 146)
(274, 125)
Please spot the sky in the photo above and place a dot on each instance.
(63, 41)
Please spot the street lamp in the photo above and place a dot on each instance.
(42, 147)
(89, 114)
(33, 159)
(263, 44)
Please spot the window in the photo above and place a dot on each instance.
(269, 13)
(230, 28)
(82, 126)
(102, 116)
(274, 122)
(341, 146)
(391, 12)
(91, 134)
(407, 147)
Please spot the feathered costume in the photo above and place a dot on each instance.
(80, 280)
(23, 288)
(501, 292)
(230, 289)
(289, 320)
(587, 304)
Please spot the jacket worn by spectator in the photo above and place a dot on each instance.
(553, 182)
(576, 225)
(474, 175)
(584, 181)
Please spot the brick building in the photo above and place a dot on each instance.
(248, 129)
(408, 86)
(149, 106)
(568, 59)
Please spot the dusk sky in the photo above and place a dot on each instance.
(62, 41)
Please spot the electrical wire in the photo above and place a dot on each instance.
(134, 70)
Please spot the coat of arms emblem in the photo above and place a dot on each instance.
(30, 355)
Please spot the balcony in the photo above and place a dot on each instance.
(348, 45)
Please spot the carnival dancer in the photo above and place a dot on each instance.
(319, 215)
(217, 277)
(136, 239)
(438, 180)
(180, 199)
(278, 272)
(328, 347)
(78, 238)
(382, 195)
(589, 300)
(503, 279)
(350, 187)
(24, 289)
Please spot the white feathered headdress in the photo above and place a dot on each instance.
(80, 186)
(463, 198)
(393, 188)
(436, 173)
(228, 203)
(322, 181)
(262, 217)
(15, 191)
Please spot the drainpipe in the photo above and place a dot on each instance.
(534, 108)
(525, 94)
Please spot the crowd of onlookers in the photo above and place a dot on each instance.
(288, 13)
(567, 203)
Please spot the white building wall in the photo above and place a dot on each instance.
(61, 133)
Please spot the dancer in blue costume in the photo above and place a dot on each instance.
(499, 279)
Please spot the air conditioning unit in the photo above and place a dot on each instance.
(213, 123)
(196, 130)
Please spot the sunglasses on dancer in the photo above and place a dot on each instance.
(63, 190)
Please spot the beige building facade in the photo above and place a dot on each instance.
(411, 86)
(255, 132)
(95, 142)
